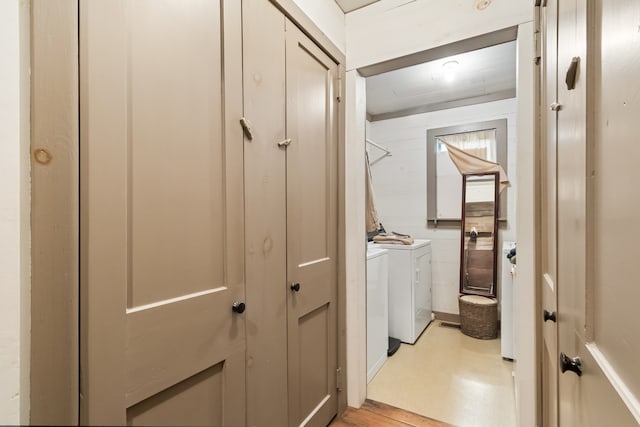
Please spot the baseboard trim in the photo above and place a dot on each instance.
(447, 317)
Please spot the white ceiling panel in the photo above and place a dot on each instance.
(351, 5)
(478, 73)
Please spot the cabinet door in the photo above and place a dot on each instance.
(312, 207)
(161, 213)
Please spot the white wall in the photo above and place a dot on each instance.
(400, 186)
(328, 16)
(14, 212)
(356, 240)
(392, 28)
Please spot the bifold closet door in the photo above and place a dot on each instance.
(548, 221)
(161, 213)
(312, 208)
(291, 222)
(265, 213)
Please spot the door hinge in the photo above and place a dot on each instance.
(339, 379)
(339, 97)
(246, 127)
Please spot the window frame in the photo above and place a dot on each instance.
(500, 125)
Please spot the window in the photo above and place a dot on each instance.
(487, 140)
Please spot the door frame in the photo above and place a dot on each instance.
(55, 207)
(527, 385)
(55, 199)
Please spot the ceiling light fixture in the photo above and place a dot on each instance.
(450, 70)
(482, 4)
(450, 65)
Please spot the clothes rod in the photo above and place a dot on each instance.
(386, 150)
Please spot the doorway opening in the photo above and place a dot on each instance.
(443, 374)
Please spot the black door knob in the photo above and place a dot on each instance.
(295, 287)
(550, 316)
(573, 364)
(238, 307)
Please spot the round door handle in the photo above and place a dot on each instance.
(573, 364)
(238, 307)
(549, 316)
(295, 287)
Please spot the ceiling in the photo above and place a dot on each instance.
(481, 75)
(350, 5)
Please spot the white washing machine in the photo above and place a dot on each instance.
(377, 309)
(409, 289)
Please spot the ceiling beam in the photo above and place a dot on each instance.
(496, 96)
(467, 45)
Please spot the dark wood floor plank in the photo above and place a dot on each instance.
(363, 418)
(401, 415)
(377, 414)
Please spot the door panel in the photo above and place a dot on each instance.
(266, 216)
(312, 207)
(571, 204)
(162, 193)
(614, 201)
(202, 393)
(596, 130)
(175, 147)
(615, 212)
(591, 400)
(548, 186)
(549, 356)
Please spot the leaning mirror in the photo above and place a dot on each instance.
(478, 248)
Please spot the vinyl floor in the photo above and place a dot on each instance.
(450, 377)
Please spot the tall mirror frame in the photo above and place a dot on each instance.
(479, 234)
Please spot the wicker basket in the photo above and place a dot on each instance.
(478, 316)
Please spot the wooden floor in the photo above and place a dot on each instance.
(376, 414)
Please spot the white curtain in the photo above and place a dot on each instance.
(479, 143)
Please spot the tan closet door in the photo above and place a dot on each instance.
(312, 207)
(549, 242)
(597, 212)
(161, 213)
(265, 213)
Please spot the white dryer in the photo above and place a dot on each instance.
(409, 289)
(377, 309)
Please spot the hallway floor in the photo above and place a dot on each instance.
(376, 414)
(450, 377)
